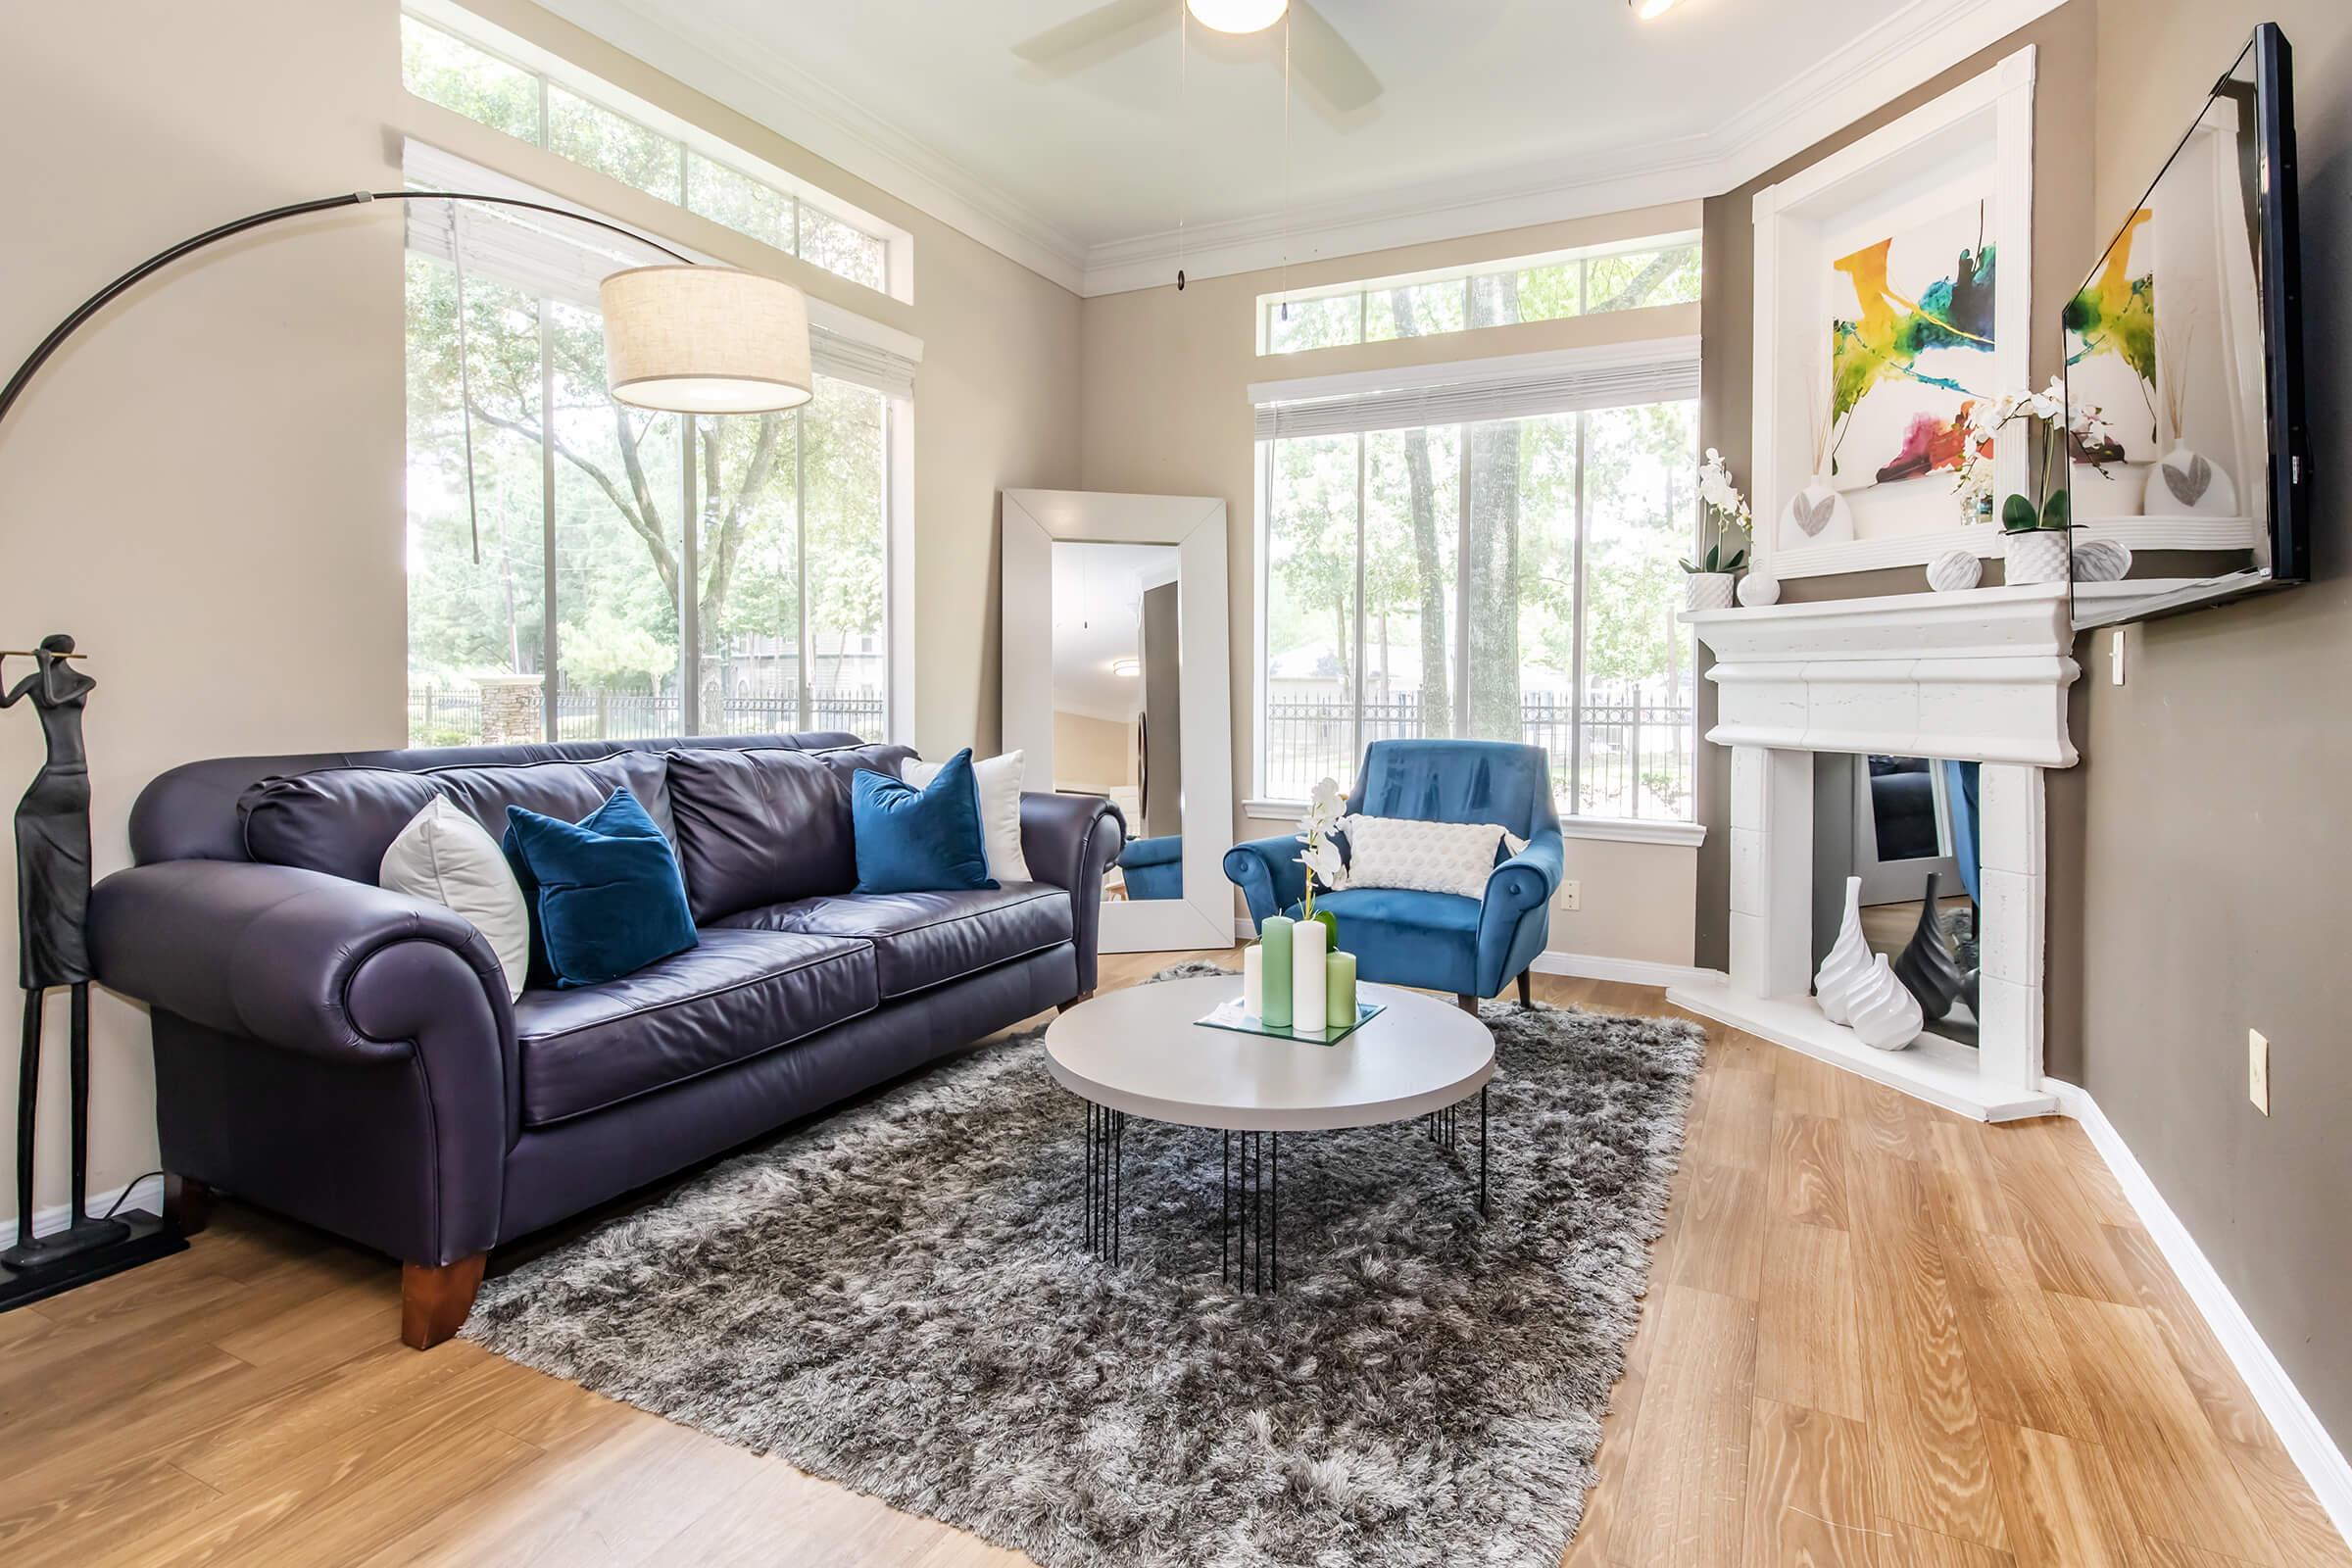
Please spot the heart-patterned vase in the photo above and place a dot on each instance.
(1816, 515)
(2189, 484)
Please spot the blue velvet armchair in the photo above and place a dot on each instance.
(1440, 941)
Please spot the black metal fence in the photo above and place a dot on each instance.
(452, 715)
(1627, 752)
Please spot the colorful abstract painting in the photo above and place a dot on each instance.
(2111, 344)
(1910, 341)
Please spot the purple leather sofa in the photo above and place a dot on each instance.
(348, 1055)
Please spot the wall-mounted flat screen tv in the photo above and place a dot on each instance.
(2187, 468)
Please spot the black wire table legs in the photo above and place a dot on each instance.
(1250, 1217)
(1106, 1135)
(1443, 1129)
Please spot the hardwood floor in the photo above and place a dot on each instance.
(1877, 1336)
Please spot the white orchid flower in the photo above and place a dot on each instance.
(1322, 861)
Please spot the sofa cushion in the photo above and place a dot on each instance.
(735, 996)
(923, 940)
(340, 820)
(1406, 938)
(765, 826)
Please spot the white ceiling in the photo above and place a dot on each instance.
(1496, 113)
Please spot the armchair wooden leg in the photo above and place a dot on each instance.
(1466, 1001)
(1527, 988)
(187, 1203)
(434, 1301)
(1083, 996)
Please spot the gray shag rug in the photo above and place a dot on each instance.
(899, 1299)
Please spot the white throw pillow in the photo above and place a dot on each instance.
(447, 857)
(999, 781)
(1396, 851)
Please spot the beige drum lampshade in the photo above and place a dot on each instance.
(705, 340)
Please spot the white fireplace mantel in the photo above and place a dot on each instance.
(1977, 677)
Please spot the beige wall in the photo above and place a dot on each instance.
(1167, 410)
(2210, 844)
(2064, 48)
(1092, 753)
(205, 487)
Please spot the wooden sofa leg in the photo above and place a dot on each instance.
(1527, 988)
(1083, 996)
(187, 1203)
(1466, 1001)
(434, 1302)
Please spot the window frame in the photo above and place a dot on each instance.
(552, 71)
(1466, 274)
(1575, 824)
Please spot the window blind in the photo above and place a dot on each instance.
(543, 254)
(1511, 388)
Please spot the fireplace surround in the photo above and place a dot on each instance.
(1976, 676)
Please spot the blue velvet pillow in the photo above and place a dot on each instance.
(605, 894)
(920, 841)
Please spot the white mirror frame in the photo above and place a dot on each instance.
(1034, 521)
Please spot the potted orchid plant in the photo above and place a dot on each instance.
(2037, 530)
(1713, 575)
(1324, 811)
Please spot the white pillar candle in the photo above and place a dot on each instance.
(1307, 952)
(1254, 980)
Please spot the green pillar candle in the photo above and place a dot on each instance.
(1275, 937)
(1338, 990)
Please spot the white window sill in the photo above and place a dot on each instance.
(1614, 829)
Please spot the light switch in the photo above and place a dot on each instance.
(2115, 656)
(2258, 1070)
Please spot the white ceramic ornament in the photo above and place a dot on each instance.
(1707, 590)
(2187, 484)
(1816, 515)
(1955, 571)
(2037, 555)
(1759, 588)
(2101, 560)
(1884, 1013)
(1848, 958)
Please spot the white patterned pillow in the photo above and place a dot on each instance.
(1398, 851)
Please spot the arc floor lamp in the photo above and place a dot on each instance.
(679, 337)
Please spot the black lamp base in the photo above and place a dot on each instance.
(50, 1265)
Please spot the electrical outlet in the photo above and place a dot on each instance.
(2258, 1070)
(1572, 895)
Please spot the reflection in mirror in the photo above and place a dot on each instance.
(1905, 826)
(2169, 352)
(1117, 730)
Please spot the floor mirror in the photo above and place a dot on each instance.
(1116, 683)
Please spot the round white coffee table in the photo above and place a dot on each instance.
(1140, 1051)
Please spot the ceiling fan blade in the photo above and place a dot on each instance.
(1103, 27)
(1329, 64)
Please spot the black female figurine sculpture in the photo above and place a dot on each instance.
(53, 895)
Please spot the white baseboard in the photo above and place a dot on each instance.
(146, 1192)
(2307, 1441)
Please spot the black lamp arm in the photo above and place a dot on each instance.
(196, 242)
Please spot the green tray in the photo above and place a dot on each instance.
(1230, 1017)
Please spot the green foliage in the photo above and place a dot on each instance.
(609, 653)
(2058, 511)
(2018, 514)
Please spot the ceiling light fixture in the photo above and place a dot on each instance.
(1126, 667)
(1652, 10)
(1244, 16)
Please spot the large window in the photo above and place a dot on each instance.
(1503, 579)
(598, 571)
(599, 127)
(1639, 273)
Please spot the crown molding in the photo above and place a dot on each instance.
(1912, 45)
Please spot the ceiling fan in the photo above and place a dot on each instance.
(1325, 62)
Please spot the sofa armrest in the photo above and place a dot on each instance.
(1072, 841)
(1528, 879)
(1269, 873)
(1516, 913)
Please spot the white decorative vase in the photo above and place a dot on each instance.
(2101, 560)
(1759, 588)
(1848, 958)
(1955, 571)
(1309, 945)
(2037, 555)
(1707, 590)
(2185, 485)
(1816, 515)
(1885, 1014)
